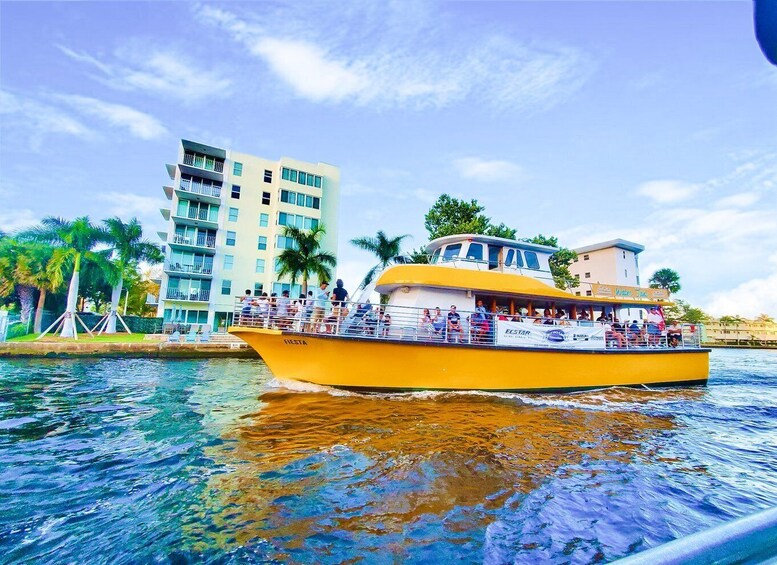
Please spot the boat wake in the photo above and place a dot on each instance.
(611, 399)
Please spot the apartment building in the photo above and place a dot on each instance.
(225, 220)
(613, 262)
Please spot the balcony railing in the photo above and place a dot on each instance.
(200, 188)
(196, 269)
(203, 162)
(195, 214)
(191, 295)
(199, 241)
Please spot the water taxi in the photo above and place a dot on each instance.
(484, 314)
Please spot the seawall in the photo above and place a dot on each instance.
(138, 349)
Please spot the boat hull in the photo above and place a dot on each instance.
(394, 365)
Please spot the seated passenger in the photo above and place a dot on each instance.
(426, 323)
(438, 323)
(479, 322)
(635, 333)
(454, 326)
(674, 334)
(613, 336)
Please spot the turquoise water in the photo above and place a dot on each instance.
(126, 461)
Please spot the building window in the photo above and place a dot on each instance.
(576, 259)
(231, 237)
(235, 191)
(233, 214)
(577, 293)
(283, 242)
(260, 265)
(301, 222)
(258, 288)
(262, 246)
(577, 276)
(300, 177)
(226, 287)
(267, 175)
(264, 220)
(266, 198)
(589, 293)
(588, 275)
(237, 169)
(229, 260)
(279, 288)
(277, 264)
(585, 257)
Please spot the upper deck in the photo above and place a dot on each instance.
(497, 254)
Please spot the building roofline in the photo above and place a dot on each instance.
(619, 243)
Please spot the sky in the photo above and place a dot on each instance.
(654, 122)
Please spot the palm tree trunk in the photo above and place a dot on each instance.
(37, 328)
(69, 327)
(115, 299)
(305, 285)
(26, 296)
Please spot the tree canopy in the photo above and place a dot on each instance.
(681, 311)
(449, 216)
(559, 261)
(666, 278)
(383, 247)
(305, 257)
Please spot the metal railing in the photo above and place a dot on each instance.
(199, 241)
(189, 295)
(188, 185)
(201, 161)
(197, 269)
(448, 326)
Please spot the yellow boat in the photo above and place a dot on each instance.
(483, 315)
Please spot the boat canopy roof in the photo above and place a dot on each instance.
(436, 276)
(500, 241)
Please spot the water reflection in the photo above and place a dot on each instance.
(312, 464)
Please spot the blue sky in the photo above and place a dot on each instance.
(650, 121)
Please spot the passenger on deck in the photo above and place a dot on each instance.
(480, 323)
(247, 302)
(283, 318)
(454, 325)
(547, 317)
(674, 334)
(426, 323)
(610, 335)
(635, 336)
(438, 323)
(262, 306)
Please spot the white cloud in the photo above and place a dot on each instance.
(34, 120)
(741, 200)
(667, 191)
(483, 170)
(12, 220)
(137, 67)
(383, 67)
(139, 124)
(749, 299)
(125, 204)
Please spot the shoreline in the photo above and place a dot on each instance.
(153, 349)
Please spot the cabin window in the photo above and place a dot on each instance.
(436, 255)
(475, 251)
(510, 257)
(493, 256)
(518, 258)
(451, 252)
(531, 260)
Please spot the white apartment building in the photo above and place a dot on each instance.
(612, 262)
(225, 220)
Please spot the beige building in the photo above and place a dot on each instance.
(612, 262)
(745, 332)
(225, 220)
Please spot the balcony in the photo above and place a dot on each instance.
(196, 271)
(188, 295)
(204, 166)
(203, 243)
(196, 219)
(199, 192)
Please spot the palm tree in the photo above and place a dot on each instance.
(382, 247)
(666, 278)
(74, 240)
(10, 282)
(36, 269)
(129, 249)
(305, 258)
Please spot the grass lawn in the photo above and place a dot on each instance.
(84, 338)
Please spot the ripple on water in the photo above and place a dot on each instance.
(149, 460)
